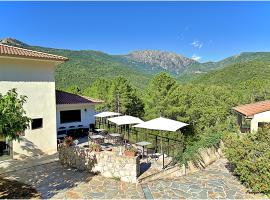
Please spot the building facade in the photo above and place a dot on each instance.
(252, 116)
(32, 74)
(74, 110)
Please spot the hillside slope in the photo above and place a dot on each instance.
(237, 74)
(85, 66)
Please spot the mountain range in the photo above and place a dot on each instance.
(85, 66)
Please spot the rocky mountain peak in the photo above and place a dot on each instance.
(169, 61)
(13, 42)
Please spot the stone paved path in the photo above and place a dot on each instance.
(54, 181)
(215, 182)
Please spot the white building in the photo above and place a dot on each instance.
(74, 110)
(254, 115)
(32, 74)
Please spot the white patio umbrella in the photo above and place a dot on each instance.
(161, 124)
(106, 114)
(125, 120)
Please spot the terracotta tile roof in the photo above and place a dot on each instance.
(11, 51)
(254, 108)
(69, 98)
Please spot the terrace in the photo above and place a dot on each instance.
(115, 147)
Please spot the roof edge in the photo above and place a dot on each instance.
(57, 57)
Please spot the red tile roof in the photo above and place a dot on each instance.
(254, 108)
(69, 98)
(11, 51)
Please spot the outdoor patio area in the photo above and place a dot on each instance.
(117, 138)
(52, 180)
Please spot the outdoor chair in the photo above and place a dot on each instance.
(85, 131)
(139, 153)
(72, 133)
(90, 133)
(99, 141)
(109, 138)
(61, 132)
(119, 141)
(152, 154)
(62, 127)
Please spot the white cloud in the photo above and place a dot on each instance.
(195, 57)
(197, 44)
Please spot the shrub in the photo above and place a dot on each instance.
(250, 155)
(191, 152)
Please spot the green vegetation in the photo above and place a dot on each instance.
(119, 96)
(13, 121)
(250, 155)
(85, 67)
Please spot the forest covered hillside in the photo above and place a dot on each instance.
(139, 67)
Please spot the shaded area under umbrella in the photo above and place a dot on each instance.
(162, 124)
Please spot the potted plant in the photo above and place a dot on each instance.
(96, 147)
(68, 141)
(130, 151)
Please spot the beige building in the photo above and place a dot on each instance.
(32, 74)
(254, 115)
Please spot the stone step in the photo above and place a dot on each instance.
(158, 174)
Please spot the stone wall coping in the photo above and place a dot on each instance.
(103, 152)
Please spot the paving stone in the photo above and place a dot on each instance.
(55, 181)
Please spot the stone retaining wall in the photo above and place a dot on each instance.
(108, 164)
(206, 157)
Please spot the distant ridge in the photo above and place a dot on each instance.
(86, 66)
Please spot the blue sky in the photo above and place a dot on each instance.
(204, 30)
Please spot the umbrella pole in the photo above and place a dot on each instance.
(128, 132)
(161, 148)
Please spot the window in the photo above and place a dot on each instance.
(69, 116)
(37, 123)
(263, 124)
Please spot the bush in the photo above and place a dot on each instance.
(191, 152)
(211, 137)
(250, 155)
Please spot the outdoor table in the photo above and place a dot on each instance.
(96, 137)
(115, 134)
(143, 144)
(100, 130)
(61, 136)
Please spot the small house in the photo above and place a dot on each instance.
(253, 115)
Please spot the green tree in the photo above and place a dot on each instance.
(202, 106)
(100, 90)
(74, 89)
(155, 98)
(123, 98)
(12, 115)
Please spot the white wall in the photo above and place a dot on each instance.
(35, 79)
(260, 117)
(87, 117)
